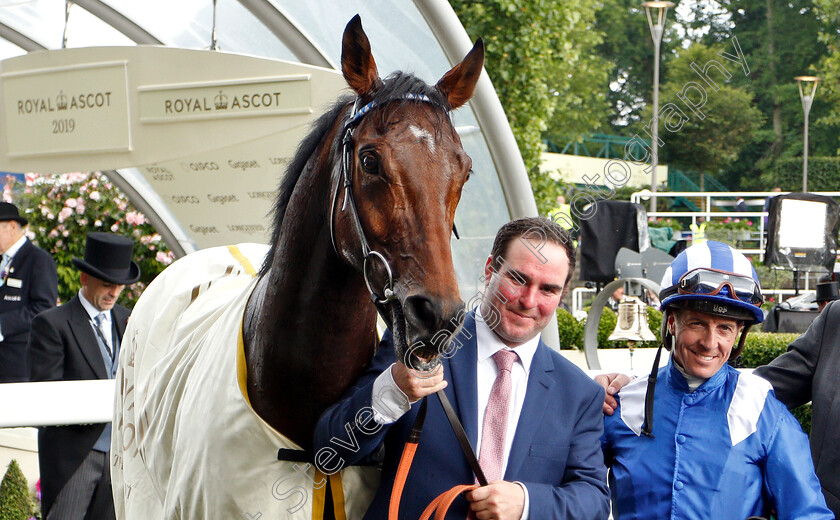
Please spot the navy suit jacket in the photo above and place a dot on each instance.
(556, 450)
(31, 287)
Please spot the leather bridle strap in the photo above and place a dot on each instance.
(466, 447)
(444, 500)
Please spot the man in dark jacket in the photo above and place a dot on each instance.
(81, 340)
(28, 285)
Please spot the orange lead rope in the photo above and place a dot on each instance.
(443, 501)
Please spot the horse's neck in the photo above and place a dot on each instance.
(313, 332)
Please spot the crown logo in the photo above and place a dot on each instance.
(221, 101)
(61, 100)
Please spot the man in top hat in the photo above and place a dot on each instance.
(28, 285)
(827, 292)
(81, 340)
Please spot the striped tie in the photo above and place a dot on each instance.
(99, 320)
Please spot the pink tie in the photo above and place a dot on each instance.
(496, 418)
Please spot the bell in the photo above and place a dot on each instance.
(632, 323)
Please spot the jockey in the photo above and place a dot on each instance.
(699, 439)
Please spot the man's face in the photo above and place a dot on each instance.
(526, 290)
(703, 341)
(103, 295)
(9, 234)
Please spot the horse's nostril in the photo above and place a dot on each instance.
(421, 312)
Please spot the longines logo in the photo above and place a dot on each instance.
(248, 229)
(221, 102)
(269, 195)
(62, 102)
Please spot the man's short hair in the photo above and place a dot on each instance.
(536, 227)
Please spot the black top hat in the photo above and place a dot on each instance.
(108, 257)
(828, 291)
(10, 212)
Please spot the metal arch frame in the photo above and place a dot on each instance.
(150, 204)
(593, 319)
(118, 21)
(288, 32)
(455, 42)
(21, 40)
(488, 110)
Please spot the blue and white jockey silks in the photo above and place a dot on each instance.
(729, 450)
(187, 444)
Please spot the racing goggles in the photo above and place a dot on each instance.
(709, 282)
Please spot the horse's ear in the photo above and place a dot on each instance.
(357, 63)
(458, 84)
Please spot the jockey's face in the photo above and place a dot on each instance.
(703, 341)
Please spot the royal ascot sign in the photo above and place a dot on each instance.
(289, 95)
(201, 137)
(72, 109)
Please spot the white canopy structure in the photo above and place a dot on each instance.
(193, 107)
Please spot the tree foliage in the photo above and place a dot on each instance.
(730, 119)
(63, 209)
(780, 42)
(541, 59)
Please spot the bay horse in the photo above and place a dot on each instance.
(224, 365)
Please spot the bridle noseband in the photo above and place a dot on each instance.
(388, 295)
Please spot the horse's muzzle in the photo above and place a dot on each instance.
(430, 326)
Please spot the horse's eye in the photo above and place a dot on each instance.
(469, 174)
(370, 163)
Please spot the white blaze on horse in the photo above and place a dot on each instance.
(231, 354)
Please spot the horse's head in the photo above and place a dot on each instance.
(396, 193)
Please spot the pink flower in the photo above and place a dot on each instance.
(135, 218)
(115, 227)
(165, 258)
(98, 223)
(71, 203)
(749, 223)
(64, 213)
(80, 209)
(94, 195)
(53, 233)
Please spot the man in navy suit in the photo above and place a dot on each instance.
(551, 465)
(28, 285)
(76, 341)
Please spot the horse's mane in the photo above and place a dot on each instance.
(392, 91)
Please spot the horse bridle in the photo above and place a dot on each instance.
(388, 295)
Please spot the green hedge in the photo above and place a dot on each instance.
(823, 174)
(571, 330)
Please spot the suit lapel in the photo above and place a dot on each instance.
(463, 372)
(86, 338)
(538, 393)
